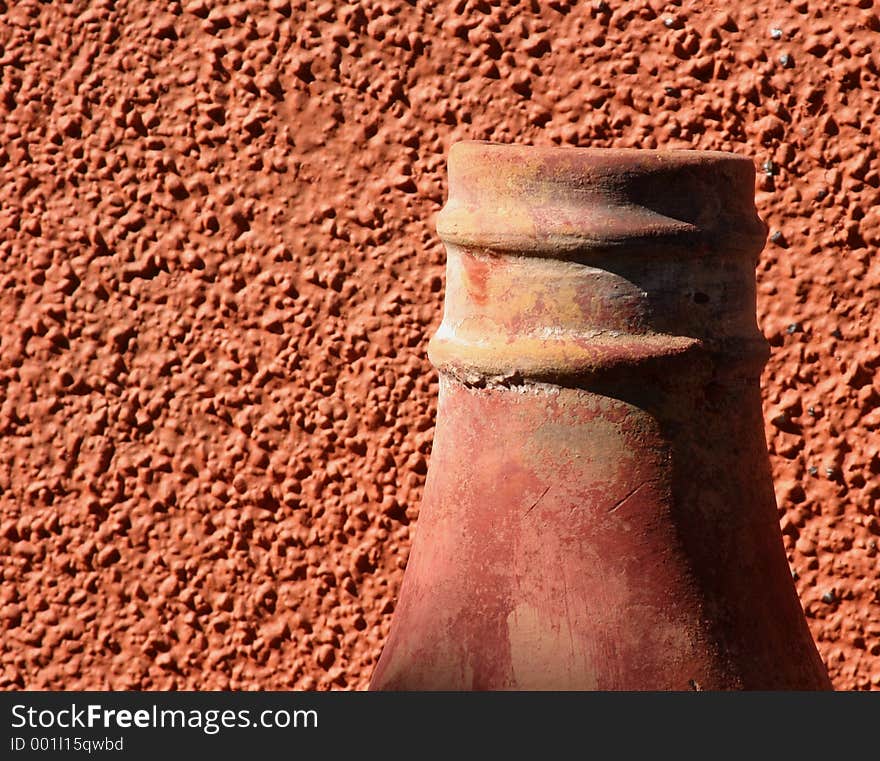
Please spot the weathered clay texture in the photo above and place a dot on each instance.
(599, 512)
(219, 271)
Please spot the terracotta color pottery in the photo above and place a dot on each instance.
(599, 511)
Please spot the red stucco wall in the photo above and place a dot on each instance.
(219, 272)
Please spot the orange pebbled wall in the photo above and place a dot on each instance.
(218, 273)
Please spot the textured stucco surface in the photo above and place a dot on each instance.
(218, 272)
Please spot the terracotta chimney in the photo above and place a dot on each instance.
(599, 511)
